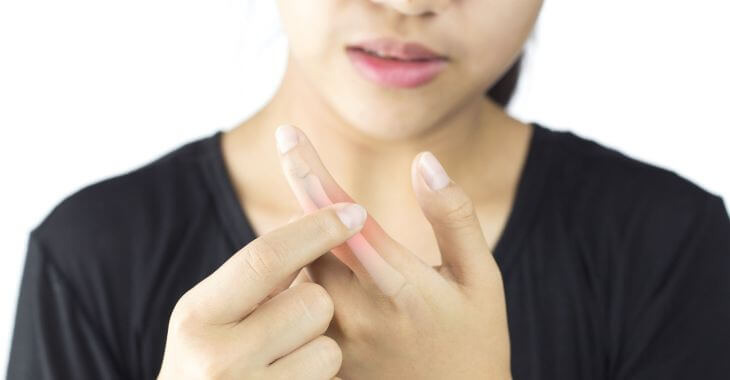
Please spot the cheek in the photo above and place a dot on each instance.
(495, 35)
(310, 27)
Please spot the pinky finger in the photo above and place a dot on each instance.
(318, 359)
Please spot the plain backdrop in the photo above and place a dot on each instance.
(94, 88)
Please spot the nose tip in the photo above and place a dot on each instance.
(416, 7)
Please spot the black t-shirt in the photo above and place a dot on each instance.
(613, 268)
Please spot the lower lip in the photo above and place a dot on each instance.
(394, 73)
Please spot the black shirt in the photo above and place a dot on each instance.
(613, 268)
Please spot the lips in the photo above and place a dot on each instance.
(393, 63)
(389, 48)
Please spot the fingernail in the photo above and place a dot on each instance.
(432, 172)
(286, 138)
(351, 215)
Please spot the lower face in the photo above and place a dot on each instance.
(404, 94)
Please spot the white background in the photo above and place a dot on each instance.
(93, 88)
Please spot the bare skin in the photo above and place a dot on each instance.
(362, 143)
(483, 149)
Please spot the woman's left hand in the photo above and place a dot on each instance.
(397, 317)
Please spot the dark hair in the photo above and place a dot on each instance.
(503, 90)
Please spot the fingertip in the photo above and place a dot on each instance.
(352, 215)
(432, 172)
(286, 138)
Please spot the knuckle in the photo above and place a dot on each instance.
(328, 225)
(262, 258)
(328, 352)
(358, 329)
(406, 296)
(211, 369)
(460, 212)
(183, 318)
(296, 168)
(315, 302)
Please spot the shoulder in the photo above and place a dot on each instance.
(656, 248)
(123, 213)
(583, 166)
(613, 196)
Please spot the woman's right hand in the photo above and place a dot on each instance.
(235, 325)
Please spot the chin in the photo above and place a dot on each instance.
(384, 117)
(387, 123)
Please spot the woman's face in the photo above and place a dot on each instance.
(470, 43)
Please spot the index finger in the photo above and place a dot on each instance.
(314, 187)
(232, 292)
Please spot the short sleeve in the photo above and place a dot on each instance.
(53, 337)
(676, 320)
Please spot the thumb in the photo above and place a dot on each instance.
(464, 250)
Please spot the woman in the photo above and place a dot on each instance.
(501, 249)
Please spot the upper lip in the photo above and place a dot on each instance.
(388, 47)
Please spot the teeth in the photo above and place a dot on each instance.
(378, 54)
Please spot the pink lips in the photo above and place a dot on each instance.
(394, 64)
